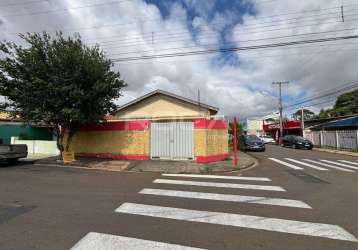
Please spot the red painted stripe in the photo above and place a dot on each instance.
(114, 156)
(211, 158)
(122, 125)
(203, 123)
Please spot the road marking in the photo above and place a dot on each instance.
(307, 164)
(341, 164)
(328, 165)
(218, 177)
(349, 162)
(286, 164)
(95, 241)
(226, 197)
(238, 220)
(220, 185)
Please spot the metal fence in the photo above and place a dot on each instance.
(339, 139)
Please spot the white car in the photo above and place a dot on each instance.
(267, 139)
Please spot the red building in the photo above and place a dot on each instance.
(289, 128)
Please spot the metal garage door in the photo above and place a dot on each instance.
(172, 140)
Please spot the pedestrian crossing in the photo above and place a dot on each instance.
(165, 187)
(318, 164)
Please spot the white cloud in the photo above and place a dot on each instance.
(242, 89)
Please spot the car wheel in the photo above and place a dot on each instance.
(294, 146)
(13, 161)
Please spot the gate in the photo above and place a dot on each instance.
(172, 140)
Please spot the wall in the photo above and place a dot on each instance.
(160, 106)
(38, 147)
(211, 140)
(8, 130)
(337, 139)
(121, 140)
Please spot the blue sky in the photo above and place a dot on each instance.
(209, 10)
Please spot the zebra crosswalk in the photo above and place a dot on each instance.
(318, 164)
(94, 240)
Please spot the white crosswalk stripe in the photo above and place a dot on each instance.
(286, 164)
(307, 164)
(220, 185)
(349, 162)
(239, 220)
(218, 177)
(340, 164)
(329, 166)
(100, 241)
(226, 197)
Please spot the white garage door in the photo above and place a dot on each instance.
(172, 140)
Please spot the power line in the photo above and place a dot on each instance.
(352, 85)
(234, 42)
(156, 19)
(172, 35)
(63, 9)
(166, 41)
(259, 56)
(22, 3)
(199, 52)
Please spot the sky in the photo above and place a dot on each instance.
(239, 83)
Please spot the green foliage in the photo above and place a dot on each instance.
(58, 81)
(307, 114)
(346, 104)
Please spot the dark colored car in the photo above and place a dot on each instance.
(253, 143)
(295, 141)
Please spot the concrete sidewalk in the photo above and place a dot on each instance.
(245, 161)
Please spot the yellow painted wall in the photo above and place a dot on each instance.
(211, 142)
(111, 142)
(160, 106)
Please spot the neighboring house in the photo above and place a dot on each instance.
(254, 126)
(158, 125)
(10, 127)
(338, 133)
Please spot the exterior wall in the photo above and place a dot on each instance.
(131, 140)
(211, 140)
(120, 140)
(10, 129)
(254, 127)
(161, 107)
(37, 146)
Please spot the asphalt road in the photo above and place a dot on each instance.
(44, 207)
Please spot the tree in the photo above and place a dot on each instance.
(307, 114)
(58, 82)
(346, 104)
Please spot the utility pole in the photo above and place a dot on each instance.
(280, 107)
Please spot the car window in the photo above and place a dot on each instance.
(252, 138)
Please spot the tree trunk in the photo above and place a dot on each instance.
(59, 138)
(70, 134)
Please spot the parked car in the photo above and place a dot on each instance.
(296, 142)
(252, 142)
(12, 153)
(267, 139)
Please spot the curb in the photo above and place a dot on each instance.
(336, 152)
(71, 166)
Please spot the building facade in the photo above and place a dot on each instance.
(159, 125)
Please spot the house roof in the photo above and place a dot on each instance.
(342, 123)
(162, 92)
